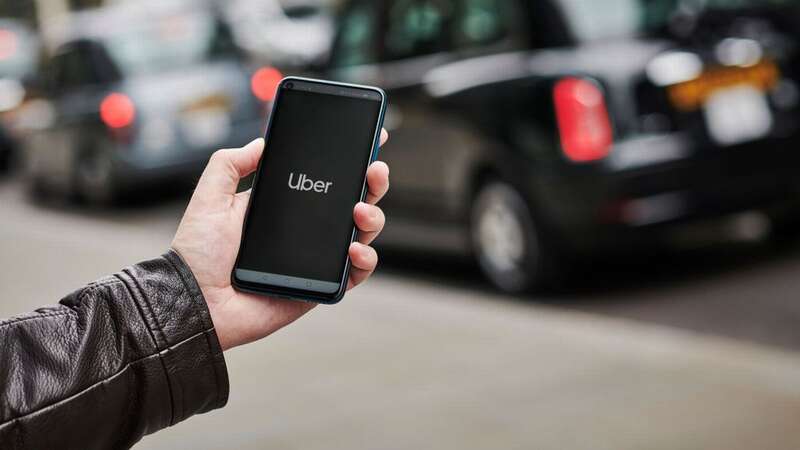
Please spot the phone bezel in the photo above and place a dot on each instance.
(326, 87)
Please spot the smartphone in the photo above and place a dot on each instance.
(320, 140)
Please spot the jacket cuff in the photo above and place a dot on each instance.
(175, 311)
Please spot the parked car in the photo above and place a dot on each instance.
(527, 133)
(140, 94)
(19, 53)
(287, 33)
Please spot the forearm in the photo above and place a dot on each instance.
(121, 358)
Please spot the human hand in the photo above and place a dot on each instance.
(210, 232)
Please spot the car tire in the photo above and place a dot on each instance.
(37, 188)
(93, 177)
(510, 248)
(6, 153)
(5, 160)
(36, 182)
(785, 227)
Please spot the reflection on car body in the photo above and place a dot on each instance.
(287, 33)
(528, 132)
(139, 93)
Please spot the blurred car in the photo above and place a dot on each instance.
(139, 94)
(287, 33)
(19, 53)
(531, 133)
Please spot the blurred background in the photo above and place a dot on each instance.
(592, 229)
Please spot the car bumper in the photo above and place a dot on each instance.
(618, 200)
(135, 164)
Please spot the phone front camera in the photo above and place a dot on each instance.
(290, 85)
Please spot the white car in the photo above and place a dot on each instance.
(284, 33)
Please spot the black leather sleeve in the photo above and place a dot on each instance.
(123, 357)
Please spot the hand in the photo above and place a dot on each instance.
(208, 240)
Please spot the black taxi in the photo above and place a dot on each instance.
(529, 132)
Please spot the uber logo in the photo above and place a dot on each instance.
(305, 184)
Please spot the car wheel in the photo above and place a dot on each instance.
(507, 242)
(785, 227)
(93, 177)
(6, 152)
(5, 160)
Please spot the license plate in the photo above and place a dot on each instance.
(737, 114)
(693, 94)
(205, 127)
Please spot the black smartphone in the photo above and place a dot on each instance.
(320, 140)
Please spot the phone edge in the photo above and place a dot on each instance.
(289, 293)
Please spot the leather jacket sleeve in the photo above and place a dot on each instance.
(123, 357)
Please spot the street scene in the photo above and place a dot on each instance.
(704, 356)
(592, 234)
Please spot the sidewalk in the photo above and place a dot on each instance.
(409, 364)
(401, 366)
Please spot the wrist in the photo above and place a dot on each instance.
(211, 297)
(220, 320)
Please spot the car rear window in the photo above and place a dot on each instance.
(166, 43)
(417, 28)
(357, 40)
(592, 19)
(483, 22)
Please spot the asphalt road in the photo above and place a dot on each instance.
(745, 290)
(692, 349)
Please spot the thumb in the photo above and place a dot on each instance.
(226, 167)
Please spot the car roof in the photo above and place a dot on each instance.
(103, 22)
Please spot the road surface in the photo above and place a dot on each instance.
(692, 351)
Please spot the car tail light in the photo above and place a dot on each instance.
(264, 83)
(117, 111)
(583, 121)
(8, 44)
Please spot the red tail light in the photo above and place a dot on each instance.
(265, 82)
(583, 121)
(117, 111)
(8, 44)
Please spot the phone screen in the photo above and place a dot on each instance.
(300, 222)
